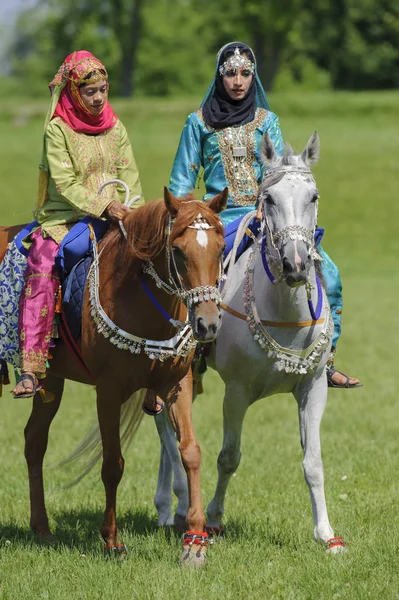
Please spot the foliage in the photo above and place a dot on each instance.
(167, 47)
(356, 41)
(174, 55)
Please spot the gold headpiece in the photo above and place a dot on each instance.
(235, 63)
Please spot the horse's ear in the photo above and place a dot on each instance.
(267, 151)
(171, 202)
(219, 202)
(311, 152)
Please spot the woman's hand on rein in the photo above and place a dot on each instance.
(117, 211)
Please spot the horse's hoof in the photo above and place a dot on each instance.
(335, 545)
(194, 556)
(166, 521)
(214, 534)
(179, 522)
(194, 551)
(117, 551)
(47, 538)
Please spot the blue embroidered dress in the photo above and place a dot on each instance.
(202, 146)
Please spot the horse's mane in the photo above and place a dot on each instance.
(146, 230)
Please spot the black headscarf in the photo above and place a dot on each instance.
(222, 111)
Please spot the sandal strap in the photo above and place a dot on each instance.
(31, 378)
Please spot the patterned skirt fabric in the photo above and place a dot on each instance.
(37, 304)
(12, 271)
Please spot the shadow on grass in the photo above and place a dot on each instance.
(268, 532)
(81, 530)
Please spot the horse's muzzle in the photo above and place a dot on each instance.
(295, 274)
(295, 280)
(206, 324)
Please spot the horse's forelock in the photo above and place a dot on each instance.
(188, 212)
(146, 227)
(288, 159)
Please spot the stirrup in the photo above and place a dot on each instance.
(159, 406)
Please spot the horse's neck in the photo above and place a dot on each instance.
(125, 300)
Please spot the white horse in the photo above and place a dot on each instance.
(275, 338)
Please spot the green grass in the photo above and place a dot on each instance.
(269, 552)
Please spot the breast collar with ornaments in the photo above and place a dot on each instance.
(183, 342)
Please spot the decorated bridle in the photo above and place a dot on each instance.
(183, 342)
(270, 253)
(175, 286)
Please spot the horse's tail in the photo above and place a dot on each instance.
(90, 448)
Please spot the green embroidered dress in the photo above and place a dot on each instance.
(78, 165)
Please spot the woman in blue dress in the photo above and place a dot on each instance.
(223, 137)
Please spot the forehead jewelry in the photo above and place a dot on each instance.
(236, 62)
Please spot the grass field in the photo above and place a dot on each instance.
(269, 551)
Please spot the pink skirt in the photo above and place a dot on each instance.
(37, 304)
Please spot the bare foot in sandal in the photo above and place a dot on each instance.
(341, 380)
(26, 385)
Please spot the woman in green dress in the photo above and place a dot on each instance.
(85, 145)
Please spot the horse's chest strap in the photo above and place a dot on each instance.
(239, 315)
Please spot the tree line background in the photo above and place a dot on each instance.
(168, 47)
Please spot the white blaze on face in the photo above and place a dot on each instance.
(291, 213)
(297, 258)
(202, 238)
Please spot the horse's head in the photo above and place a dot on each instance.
(195, 247)
(288, 205)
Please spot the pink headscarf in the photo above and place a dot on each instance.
(70, 106)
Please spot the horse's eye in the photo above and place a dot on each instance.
(268, 199)
(315, 197)
(178, 253)
(221, 250)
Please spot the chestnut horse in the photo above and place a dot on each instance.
(7, 234)
(157, 276)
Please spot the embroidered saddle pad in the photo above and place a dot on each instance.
(73, 289)
(77, 244)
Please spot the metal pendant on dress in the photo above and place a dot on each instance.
(239, 151)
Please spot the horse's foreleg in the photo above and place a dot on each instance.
(109, 409)
(235, 406)
(179, 403)
(170, 466)
(36, 438)
(312, 398)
